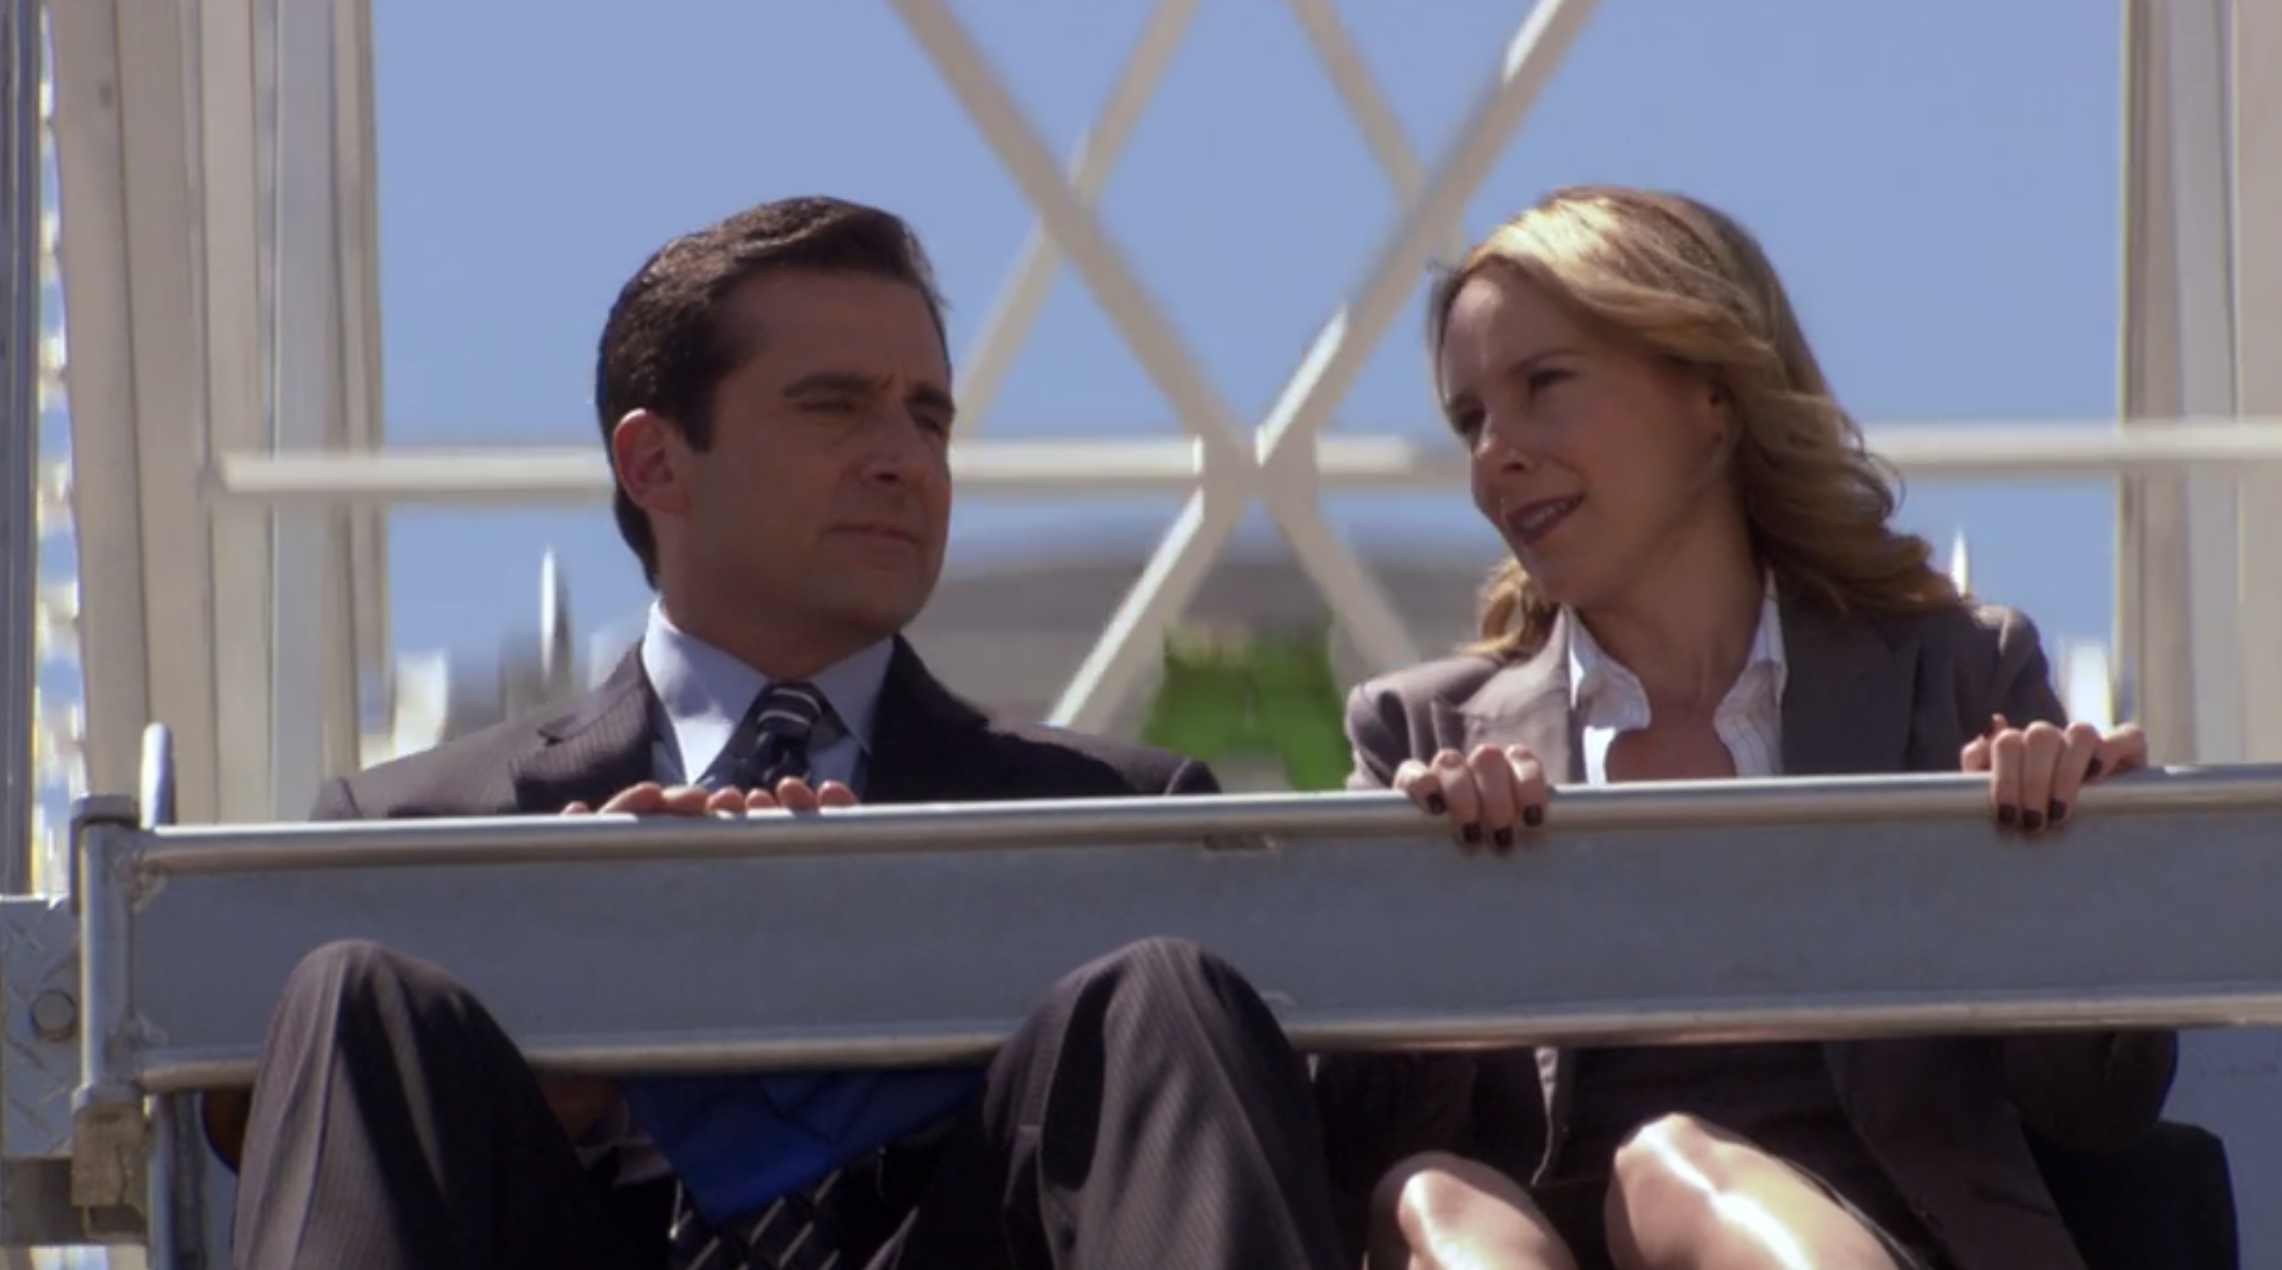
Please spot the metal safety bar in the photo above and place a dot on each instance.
(1811, 908)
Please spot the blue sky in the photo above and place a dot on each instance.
(1938, 181)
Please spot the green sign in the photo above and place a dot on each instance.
(1237, 694)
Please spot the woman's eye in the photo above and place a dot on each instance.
(1466, 423)
(1541, 380)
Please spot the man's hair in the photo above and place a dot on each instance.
(665, 349)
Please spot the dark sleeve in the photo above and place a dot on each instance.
(1375, 734)
(2088, 1090)
(1192, 777)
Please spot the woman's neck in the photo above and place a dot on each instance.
(1685, 628)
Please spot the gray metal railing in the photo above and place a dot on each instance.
(1820, 908)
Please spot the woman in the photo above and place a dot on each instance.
(1705, 584)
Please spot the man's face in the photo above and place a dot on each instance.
(824, 500)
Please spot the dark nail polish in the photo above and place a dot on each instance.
(1472, 833)
(2057, 812)
(1533, 816)
(2007, 814)
(1437, 804)
(2092, 773)
(2032, 820)
(1503, 838)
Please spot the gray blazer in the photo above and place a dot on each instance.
(1943, 1116)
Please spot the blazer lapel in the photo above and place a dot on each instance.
(588, 755)
(1847, 696)
(927, 743)
(1526, 703)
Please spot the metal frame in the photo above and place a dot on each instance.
(296, 383)
(1354, 916)
(21, 124)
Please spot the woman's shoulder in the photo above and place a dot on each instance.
(1448, 680)
(1971, 632)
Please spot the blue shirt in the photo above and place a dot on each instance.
(739, 1141)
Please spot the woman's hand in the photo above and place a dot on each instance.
(2036, 772)
(1485, 793)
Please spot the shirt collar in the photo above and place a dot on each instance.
(704, 691)
(1599, 683)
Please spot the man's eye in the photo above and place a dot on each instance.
(828, 405)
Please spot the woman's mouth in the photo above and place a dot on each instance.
(1531, 522)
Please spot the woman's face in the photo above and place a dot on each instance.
(1594, 461)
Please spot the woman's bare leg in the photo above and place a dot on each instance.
(1440, 1212)
(1686, 1195)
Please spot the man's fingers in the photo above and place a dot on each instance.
(636, 799)
(795, 794)
(835, 794)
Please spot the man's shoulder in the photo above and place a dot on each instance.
(1059, 762)
(469, 775)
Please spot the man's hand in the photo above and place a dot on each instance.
(653, 799)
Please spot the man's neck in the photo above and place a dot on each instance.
(777, 651)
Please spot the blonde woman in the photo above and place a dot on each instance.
(1706, 584)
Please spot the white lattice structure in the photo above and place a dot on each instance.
(217, 245)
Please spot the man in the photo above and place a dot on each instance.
(775, 395)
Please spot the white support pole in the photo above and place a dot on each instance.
(2201, 251)
(123, 144)
(2151, 634)
(357, 198)
(1016, 308)
(2256, 83)
(231, 181)
(313, 708)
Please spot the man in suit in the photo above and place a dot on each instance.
(775, 395)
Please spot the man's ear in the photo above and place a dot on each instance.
(648, 455)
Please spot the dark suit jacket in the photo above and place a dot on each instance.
(928, 746)
(1941, 1115)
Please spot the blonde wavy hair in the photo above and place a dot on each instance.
(1671, 277)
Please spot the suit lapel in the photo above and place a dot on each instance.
(1526, 703)
(927, 744)
(1848, 694)
(590, 754)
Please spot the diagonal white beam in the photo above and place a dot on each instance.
(1016, 308)
(1359, 93)
(1123, 298)
(1286, 437)
(1204, 526)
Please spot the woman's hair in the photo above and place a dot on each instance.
(1673, 278)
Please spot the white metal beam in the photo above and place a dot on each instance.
(2256, 35)
(1996, 450)
(2201, 254)
(2151, 634)
(1228, 480)
(1016, 308)
(231, 171)
(123, 149)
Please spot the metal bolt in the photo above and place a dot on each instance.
(55, 1015)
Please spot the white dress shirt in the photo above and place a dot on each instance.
(1607, 700)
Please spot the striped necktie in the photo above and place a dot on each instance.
(799, 1230)
(772, 741)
